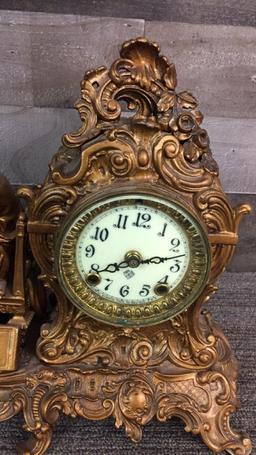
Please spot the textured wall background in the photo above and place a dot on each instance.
(45, 48)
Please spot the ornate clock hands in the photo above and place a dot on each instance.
(159, 260)
(111, 268)
(115, 267)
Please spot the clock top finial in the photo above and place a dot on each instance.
(146, 81)
(149, 66)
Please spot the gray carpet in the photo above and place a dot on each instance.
(234, 308)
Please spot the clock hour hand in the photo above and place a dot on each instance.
(111, 268)
(132, 259)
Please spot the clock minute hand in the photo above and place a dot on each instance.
(159, 260)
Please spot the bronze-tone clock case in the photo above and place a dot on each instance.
(137, 132)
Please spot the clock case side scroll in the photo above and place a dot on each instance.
(182, 367)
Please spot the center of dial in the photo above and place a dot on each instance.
(133, 259)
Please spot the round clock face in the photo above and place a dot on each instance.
(133, 260)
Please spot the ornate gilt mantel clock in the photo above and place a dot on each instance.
(128, 234)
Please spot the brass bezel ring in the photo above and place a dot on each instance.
(134, 315)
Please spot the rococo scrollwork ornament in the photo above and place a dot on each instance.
(126, 336)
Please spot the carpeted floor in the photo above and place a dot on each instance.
(234, 308)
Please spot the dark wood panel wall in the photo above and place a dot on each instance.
(228, 12)
(45, 48)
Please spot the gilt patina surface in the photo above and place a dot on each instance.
(183, 367)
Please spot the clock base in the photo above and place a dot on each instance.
(204, 400)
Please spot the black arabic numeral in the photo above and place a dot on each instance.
(95, 268)
(164, 280)
(121, 223)
(142, 219)
(175, 243)
(175, 268)
(100, 234)
(106, 288)
(124, 291)
(162, 234)
(145, 290)
(89, 251)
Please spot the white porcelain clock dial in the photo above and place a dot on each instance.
(133, 251)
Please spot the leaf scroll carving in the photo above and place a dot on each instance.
(220, 218)
(204, 401)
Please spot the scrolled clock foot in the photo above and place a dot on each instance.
(245, 449)
(37, 444)
(242, 445)
(220, 437)
(39, 393)
(205, 402)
